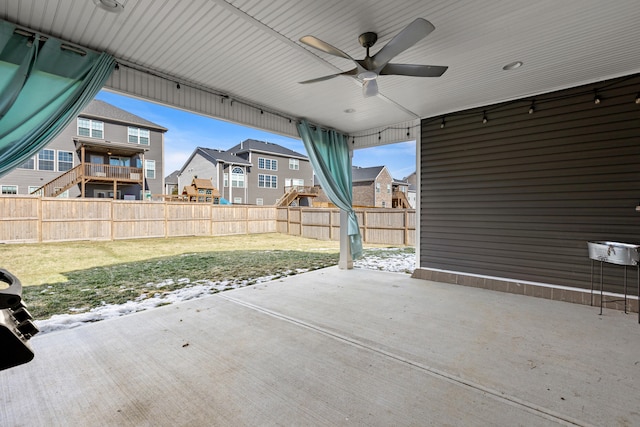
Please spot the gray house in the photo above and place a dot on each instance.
(105, 152)
(252, 172)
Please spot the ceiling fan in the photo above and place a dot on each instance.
(369, 68)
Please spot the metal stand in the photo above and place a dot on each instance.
(602, 300)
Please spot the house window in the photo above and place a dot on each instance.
(384, 204)
(65, 160)
(123, 161)
(267, 181)
(226, 179)
(267, 164)
(150, 169)
(91, 128)
(46, 160)
(9, 189)
(237, 177)
(30, 163)
(237, 200)
(377, 187)
(388, 188)
(33, 189)
(138, 136)
(294, 164)
(297, 182)
(259, 201)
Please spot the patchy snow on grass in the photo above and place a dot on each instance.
(383, 260)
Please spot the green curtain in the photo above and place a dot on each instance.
(43, 87)
(328, 152)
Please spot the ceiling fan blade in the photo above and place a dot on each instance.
(414, 32)
(316, 43)
(321, 79)
(414, 70)
(370, 88)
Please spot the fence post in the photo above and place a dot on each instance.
(166, 220)
(113, 219)
(39, 219)
(406, 227)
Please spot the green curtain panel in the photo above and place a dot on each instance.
(43, 87)
(328, 151)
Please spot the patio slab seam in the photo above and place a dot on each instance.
(434, 372)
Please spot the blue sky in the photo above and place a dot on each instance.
(188, 131)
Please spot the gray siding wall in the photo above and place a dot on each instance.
(198, 167)
(271, 195)
(519, 196)
(24, 178)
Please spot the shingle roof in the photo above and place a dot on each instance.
(172, 178)
(222, 156)
(365, 174)
(103, 110)
(202, 183)
(265, 147)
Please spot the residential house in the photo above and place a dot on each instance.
(105, 152)
(171, 183)
(372, 187)
(252, 172)
(216, 165)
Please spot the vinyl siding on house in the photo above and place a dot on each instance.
(115, 129)
(520, 196)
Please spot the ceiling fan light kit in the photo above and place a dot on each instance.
(368, 69)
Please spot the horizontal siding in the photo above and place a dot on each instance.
(519, 196)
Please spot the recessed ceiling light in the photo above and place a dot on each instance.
(513, 65)
(349, 110)
(109, 5)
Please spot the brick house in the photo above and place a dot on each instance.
(372, 187)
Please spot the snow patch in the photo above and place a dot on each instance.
(399, 263)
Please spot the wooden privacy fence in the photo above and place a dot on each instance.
(28, 219)
(377, 225)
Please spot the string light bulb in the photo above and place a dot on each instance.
(596, 98)
(177, 85)
(484, 117)
(532, 109)
(443, 124)
(379, 136)
(638, 98)
(408, 132)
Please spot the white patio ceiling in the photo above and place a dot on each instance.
(249, 50)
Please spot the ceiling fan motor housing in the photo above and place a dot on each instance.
(368, 39)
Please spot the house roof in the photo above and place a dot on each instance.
(359, 174)
(264, 147)
(172, 178)
(103, 110)
(215, 154)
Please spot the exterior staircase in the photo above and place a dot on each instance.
(295, 193)
(288, 197)
(399, 200)
(61, 183)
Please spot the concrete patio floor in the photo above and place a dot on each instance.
(335, 347)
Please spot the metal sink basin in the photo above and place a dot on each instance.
(614, 252)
